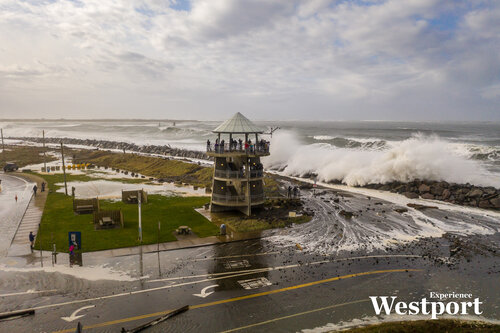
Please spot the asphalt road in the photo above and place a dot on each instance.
(10, 210)
(260, 285)
(304, 291)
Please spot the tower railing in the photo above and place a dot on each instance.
(231, 174)
(235, 199)
(260, 147)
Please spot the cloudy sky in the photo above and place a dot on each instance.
(203, 59)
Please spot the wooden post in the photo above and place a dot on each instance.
(43, 143)
(64, 170)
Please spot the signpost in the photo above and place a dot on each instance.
(75, 239)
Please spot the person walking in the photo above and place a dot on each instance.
(289, 193)
(32, 240)
(35, 188)
(43, 186)
(16, 198)
(208, 145)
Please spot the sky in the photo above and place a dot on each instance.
(271, 60)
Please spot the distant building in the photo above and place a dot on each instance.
(238, 174)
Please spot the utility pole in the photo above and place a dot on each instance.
(158, 250)
(139, 200)
(43, 142)
(3, 145)
(64, 170)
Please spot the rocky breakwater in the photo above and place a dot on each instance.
(460, 194)
(125, 146)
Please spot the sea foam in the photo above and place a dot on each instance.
(419, 157)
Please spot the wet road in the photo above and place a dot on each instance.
(291, 290)
(267, 284)
(11, 211)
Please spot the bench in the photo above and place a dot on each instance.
(84, 208)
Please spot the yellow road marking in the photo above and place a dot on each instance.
(270, 292)
(295, 315)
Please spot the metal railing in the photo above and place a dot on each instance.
(233, 199)
(237, 174)
(256, 173)
(251, 149)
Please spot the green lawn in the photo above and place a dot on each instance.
(58, 219)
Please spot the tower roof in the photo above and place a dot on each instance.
(238, 124)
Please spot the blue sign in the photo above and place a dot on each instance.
(75, 238)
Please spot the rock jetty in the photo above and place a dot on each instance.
(460, 194)
(124, 146)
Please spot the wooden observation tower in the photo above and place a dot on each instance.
(238, 174)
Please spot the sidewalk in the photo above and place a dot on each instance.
(20, 244)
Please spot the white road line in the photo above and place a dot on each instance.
(238, 273)
(28, 292)
(206, 275)
(235, 256)
(280, 267)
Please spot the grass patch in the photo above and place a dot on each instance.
(58, 219)
(425, 326)
(24, 155)
(173, 170)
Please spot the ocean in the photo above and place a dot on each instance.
(353, 152)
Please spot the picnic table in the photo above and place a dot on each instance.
(183, 230)
(106, 221)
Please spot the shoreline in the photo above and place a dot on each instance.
(467, 195)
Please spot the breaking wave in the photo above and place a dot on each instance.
(419, 157)
(341, 142)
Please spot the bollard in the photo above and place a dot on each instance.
(54, 254)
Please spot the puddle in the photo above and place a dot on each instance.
(106, 189)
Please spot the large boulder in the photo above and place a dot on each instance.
(410, 195)
(428, 196)
(474, 193)
(424, 188)
(484, 204)
(437, 189)
(495, 202)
